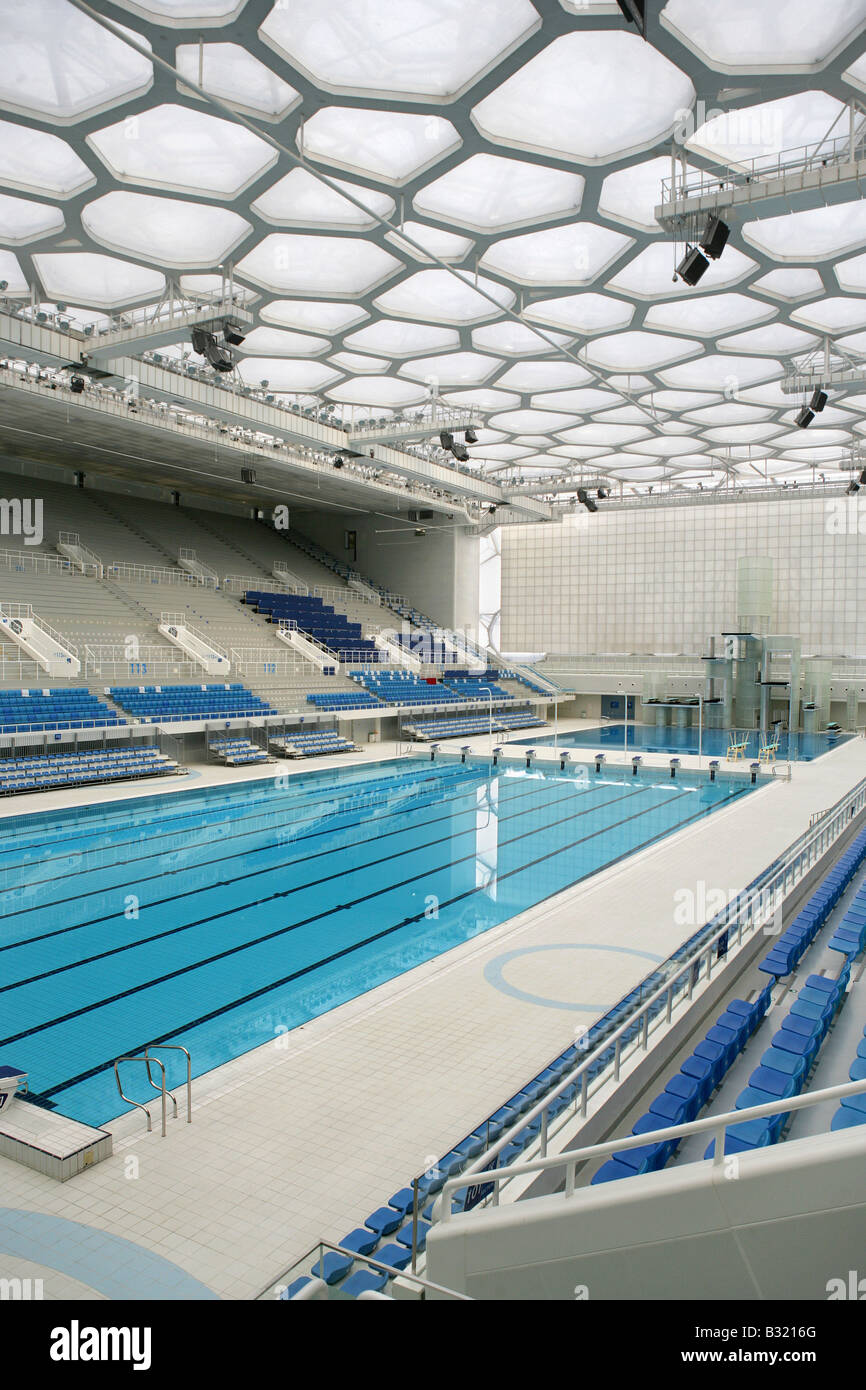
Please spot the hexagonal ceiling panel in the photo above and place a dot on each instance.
(564, 104)
(417, 195)
(431, 49)
(60, 65)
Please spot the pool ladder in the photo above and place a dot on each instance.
(149, 1062)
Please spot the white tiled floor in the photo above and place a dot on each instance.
(300, 1139)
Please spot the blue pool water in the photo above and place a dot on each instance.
(221, 918)
(645, 738)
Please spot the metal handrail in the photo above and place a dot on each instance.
(738, 916)
(390, 1270)
(711, 1124)
(137, 1103)
(173, 1047)
(149, 574)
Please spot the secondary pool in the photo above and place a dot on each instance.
(221, 918)
(645, 738)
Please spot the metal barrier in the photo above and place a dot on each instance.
(715, 1125)
(753, 908)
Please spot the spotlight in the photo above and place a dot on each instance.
(461, 453)
(77, 385)
(693, 267)
(852, 487)
(200, 338)
(818, 401)
(232, 333)
(587, 501)
(634, 12)
(805, 418)
(471, 437)
(338, 462)
(715, 238)
(862, 479)
(602, 493)
(446, 440)
(4, 285)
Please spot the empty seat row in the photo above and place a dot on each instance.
(235, 752)
(852, 1110)
(304, 745)
(72, 770)
(688, 1091)
(795, 941)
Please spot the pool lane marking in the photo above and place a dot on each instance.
(285, 893)
(301, 858)
(309, 969)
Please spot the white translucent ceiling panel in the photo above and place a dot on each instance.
(393, 146)
(856, 73)
(775, 339)
(749, 35)
(631, 195)
(730, 413)
(232, 73)
(273, 342)
(852, 274)
(616, 436)
(812, 438)
(640, 351)
(790, 285)
(102, 281)
(833, 316)
(742, 434)
(435, 241)
(543, 376)
(722, 373)
(621, 465)
(287, 374)
(629, 381)
(61, 65)
(315, 316)
(484, 399)
(396, 338)
(581, 313)
(36, 162)
(576, 452)
(627, 415)
(495, 437)
(811, 235)
(300, 199)
(723, 313)
(11, 272)
(829, 416)
(452, 369)
(489, 193)
(172, 233)
(672, 449)
(325, 265)
(503, 452)
(853, 342)
(754, 136)
(430, 49)
(564, 102)
(589, 399)
(444, 297)
(516, 339)
(530, 421)
(183, 12)
(214, 287)
(534, 441)
(681, 400)
(570, 255)
(22, 220)
(379, 391)
(648, 275)
(356, 364)
(174, 147)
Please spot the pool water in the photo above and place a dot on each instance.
(645, 738)
(220, 918)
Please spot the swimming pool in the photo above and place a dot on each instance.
(645, 738)
(221, 918)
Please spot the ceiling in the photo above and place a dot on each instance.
(522, 144)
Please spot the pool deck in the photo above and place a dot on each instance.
(301, 1138)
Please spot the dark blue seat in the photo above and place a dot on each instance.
(384, 1220)
(364, 1281)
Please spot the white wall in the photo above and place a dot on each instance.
(662, 579)
(437, 572)
(778, 1223)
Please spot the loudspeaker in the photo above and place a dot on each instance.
(693, 267)
(715, 238)
(248, 475)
